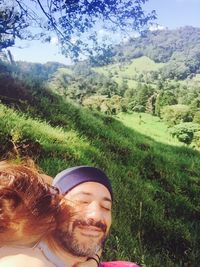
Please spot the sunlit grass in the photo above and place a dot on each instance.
(155, 184)
(150, 126)
(128, 70)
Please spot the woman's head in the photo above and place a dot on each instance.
(28, 205)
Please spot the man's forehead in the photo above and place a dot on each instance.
(92, 189)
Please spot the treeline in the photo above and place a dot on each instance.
(177, 102)
(173, 101)
(179, 49)
(26, 70)
(88, 88)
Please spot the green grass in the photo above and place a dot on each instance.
(129, 70)
(149, 125)
(156, 185)
(142, 64)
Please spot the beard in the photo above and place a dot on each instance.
(73, 244)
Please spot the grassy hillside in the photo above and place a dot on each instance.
(129, 70)
(178, 48)
(156, 185)
(149, 125)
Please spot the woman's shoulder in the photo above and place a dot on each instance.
(18, 257)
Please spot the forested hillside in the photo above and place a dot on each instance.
(161, 79)
(156, 186)
(179, 48)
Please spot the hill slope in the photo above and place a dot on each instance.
(179, 49)
(130, 71)
(156, 186)
(160, 45)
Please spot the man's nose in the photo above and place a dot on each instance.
(94, 212)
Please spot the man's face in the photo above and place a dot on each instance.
(88, 228)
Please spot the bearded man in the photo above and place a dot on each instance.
(88, 192)
(78, 238)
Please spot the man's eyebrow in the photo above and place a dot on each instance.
(82, 193)
(90, 194)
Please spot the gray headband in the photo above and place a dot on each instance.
(70, 178)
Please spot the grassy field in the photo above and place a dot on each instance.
(156, 184)
(129, 70)
(150, 126)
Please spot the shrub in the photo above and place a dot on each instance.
(138, 108)
(176, 114)
(197, 117)
(164, 98)
(196, 139)
(185, 131)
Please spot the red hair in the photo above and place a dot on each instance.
(28, 205)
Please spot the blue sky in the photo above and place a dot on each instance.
(170, 13)
(176, 13)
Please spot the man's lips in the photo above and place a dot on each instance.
(90, 230)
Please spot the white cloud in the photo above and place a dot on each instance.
(54, 41)
(155, 27)
(74, 39)
(103, 32)
(129, 36)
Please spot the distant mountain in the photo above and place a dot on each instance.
(38, 70)
(161, 45)
(179, 49)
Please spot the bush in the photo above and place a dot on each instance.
(164, 98)
(197, 117)
(196, 139)
(138, 108)
(185, 131)
(176, 114)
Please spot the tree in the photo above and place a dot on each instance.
(185, 131)
(73, 21)
(164, 98)
(138, 108)
(59, 81)
(150, 105)
(12, 24)
(196, 138)
(176, 114)
(144, 92)
(196, 118)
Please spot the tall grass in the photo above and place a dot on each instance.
(156, 185)
(149, 125)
